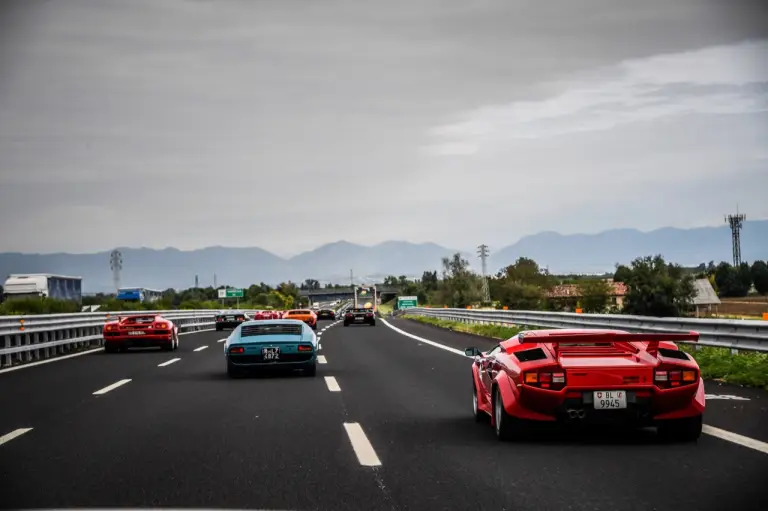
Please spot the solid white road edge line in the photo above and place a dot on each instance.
(201, 348)
(111, 387)
(425, 341)
(719, 433)
(321, 359)
(65, 357)
(13, 434)
(744, 441)
(332, 384)
(366, 455)
(171, 361)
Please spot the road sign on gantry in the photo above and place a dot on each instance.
(407, 302)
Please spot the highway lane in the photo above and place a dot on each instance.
(32, 394)
(415, 401)
(733, 408)
(185, 435)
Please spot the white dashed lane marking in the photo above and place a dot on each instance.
(332, 384)
(366, 455)
(171, 361)
(321, 359)
(13, 434)
(111, 387)
(201, 348)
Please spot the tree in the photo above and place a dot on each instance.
(622, 273)
(429, 281)
(759, 273)
(732, 282)
(656, 288)
(595, 295)
(460, 287)
(390, 280)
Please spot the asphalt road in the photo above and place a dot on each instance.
(386, 424)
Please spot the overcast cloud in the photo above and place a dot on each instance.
(197, 123)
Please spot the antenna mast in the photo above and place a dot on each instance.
(483, 253)
(736, 223)
(116, 265)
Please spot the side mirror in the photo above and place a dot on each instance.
(473, 352)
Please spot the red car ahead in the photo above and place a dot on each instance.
(266, 314)
(589, 376)
(140, 331)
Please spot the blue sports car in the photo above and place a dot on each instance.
(285, 343)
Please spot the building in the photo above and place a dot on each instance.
(570, 294)
(42, 285)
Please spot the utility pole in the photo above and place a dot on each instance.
(482, 252)
(197, 282)
(214, 281)
(116, 265)
(736, 223)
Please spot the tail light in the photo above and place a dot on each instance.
(368, 314)
(305, 347)
(110, 327)
(237, 349)
(219, 319)
(671, 377)
(545, 379)
(160, 326)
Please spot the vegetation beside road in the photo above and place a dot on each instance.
(746, 368)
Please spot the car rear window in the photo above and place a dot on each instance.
(297, 313)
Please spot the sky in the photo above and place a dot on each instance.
(287, 124)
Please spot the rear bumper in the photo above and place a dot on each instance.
(228, 324)
(369, 321)
(139, 341)
(289, 361)
(645, 406)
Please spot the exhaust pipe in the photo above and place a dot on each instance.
(576, 414)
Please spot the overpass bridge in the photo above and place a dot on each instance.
(344, 293)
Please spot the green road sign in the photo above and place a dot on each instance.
(407, 302)
(231, 293)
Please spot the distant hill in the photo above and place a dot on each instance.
(599, 252)
(331, 262)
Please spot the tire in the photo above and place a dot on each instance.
(232, 371)
(480, 415)
(506, 426)
(110, 348)
(175, 341)
(373, 323)
(218, 328)
(346, 324)
(314, 327)
(311, 371)
(681, 430)
(168, 346)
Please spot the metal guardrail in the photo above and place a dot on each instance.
(37, 337)
(748, 335)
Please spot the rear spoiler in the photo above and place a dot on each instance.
(652, 338)
(137, 316)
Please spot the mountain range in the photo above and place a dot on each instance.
(572, 253)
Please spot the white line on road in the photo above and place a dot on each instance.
(736, 439)
(321, 359)
(171, 361)
(111, 387)
(319, 346)
(13, 434)
(201, 348)
(366, 455)
(332, 384)
(222, 340)
(709, 430)
(427, 341)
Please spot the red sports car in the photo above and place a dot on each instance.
(589, 376)
(140, 331)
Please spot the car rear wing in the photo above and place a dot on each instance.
(617, 339)
(136, 317)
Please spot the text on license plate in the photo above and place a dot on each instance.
(270, 354)
(609, 399)
(136, 332)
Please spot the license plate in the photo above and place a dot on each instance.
(610, 399)
(269, 354)
(230, 318)
(136, 332)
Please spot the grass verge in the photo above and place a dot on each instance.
(747, 368)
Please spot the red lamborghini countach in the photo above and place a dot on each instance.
(589, 377)
(140, 331)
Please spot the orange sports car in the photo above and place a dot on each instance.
(305, 315)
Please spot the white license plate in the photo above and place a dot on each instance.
(609, 399)
(136, 332)
(269, 354)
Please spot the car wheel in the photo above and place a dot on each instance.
(311, 370)
(218, 328)
(373, 323)
(110, 348)
(232, 371)
(346, 324)
(506, 426)
(479, 414)
(681, 430)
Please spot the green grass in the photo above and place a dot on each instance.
(385, 309)
(492, 331)
(747, 368)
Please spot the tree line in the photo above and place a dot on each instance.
(654, 287)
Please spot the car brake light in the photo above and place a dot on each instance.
(545, 379)
(161, 326)
(237, 349)
(305, 348)
(110, 327)
(674, 377)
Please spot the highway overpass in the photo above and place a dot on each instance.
(323, 295)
